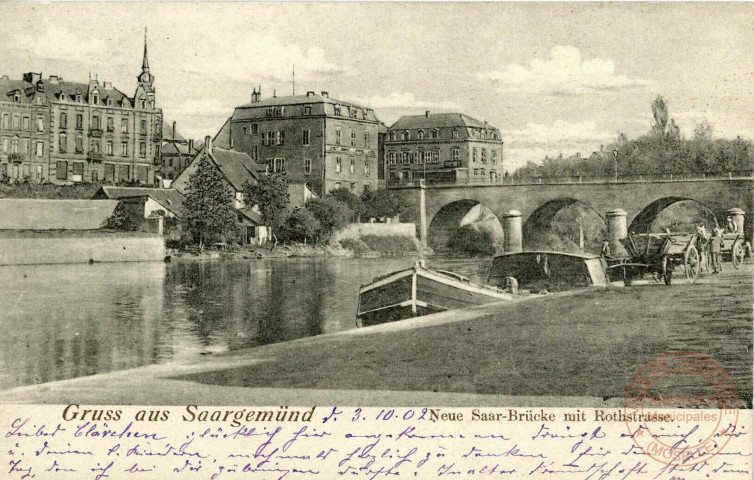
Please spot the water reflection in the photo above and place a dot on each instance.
(65, 321)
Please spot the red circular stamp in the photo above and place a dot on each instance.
(681, 408)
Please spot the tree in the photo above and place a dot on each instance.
(660, 113)
(703, 131)
(331, 214)
(270, 194)
(209, 212)
(124, 219)
(353, 202)
(382, 203)
(301, 225)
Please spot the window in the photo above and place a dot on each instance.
(416, 158)
(95, 99)
(279, 166)
(109, 147)
(338, 164)
(17, 97)
(16, 122)
(78, 169)
(254, 129)
(455, 133)
(40, 124)
(95, 175)
(484, 155)
(366, 139)
(428, 156)
(406, 136)
(6, 144)
(6, 121)
(455, 155)
(392, 158)
(473, 154)
(124, 149)
(245, 131)
(435, 134)
(40, 148)
(142, 149)
(110, 127)
(25, 145)
(78, 97)
(352, 166)
(306, 135)
(63, 143)
(255, 152)
(352, 112)
(337, 135)
(264, 139)
(353, 187)
(61, 170)
(307, 110)
(143, 103)
(337, 110)
(392, 136)
(366, 167)
(14, 145)
(308, 166)
(39, 173)
(436, 156)
(143, 127)
(337, 185)
(79, 144)
(109, 172)
(95, 122)
(79, 121)
(421, 134)
(494, 157)
(26, 125)
(124, 125)
(279, 138)
(63, 120)
(353, 138)
(405, 158)
(125, 172)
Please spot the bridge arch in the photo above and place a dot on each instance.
(540, 222)
(643, 221)
(449, 218)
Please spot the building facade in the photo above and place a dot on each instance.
(318, 141)
(177, 153)
(443, 148)
(67, 132)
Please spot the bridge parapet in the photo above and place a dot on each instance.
(576, 180)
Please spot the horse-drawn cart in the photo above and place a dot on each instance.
(733, 249)
(657, 254)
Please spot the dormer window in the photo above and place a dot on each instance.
(95, 99)
(109, 101)
(143, 103)
(406, 135)
(78, 97)
(421, 134)
(455, 133)
(16, 97)
(337, 110)
(62, 96)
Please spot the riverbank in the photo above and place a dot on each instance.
(575, 349)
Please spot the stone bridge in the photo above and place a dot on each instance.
(436, 209)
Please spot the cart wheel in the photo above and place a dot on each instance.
(738, 255)
(667, 270)
(691, 264)
(627, 276)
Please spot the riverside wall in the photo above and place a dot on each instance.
(358, 230)
(30, 248)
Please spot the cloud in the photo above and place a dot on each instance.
(55, 43)
(405, 100)
(564, 73)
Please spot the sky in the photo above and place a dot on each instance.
(553, 77)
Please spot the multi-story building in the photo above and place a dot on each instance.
(65, 132)
(445, 147)
(316, 140)
(177, 153)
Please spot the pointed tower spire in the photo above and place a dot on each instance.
(145, 62)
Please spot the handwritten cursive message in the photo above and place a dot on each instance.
(195, 442)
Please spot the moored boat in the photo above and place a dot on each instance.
(419, 291)
(540, 271)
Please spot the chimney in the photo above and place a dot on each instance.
(107, 85)
(325, 94)
(174, 129)
(426, 113)
(310, 94)
(191, 146)
(208, 144)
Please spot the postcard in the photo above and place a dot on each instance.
(377, 240)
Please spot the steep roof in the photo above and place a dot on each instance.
(437, 120)
(222, 138)
(298, 100)
(44, 214)
(53, 89)
(238, 167)
(168, 198)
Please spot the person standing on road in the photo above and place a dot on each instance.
(716, 247)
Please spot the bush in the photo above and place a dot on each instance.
(355, 245)
(300, 226)
(353, 202)
(471, 241)
(390, 244)
(382, 204)
(331, 214)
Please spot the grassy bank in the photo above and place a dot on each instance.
(79, 191)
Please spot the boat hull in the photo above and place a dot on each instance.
(418, 291)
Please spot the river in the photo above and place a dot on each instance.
(67, 321)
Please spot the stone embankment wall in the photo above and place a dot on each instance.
(51, 247)
(357, 230)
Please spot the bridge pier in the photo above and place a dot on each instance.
(423, 212)
(616, 231)
(513, 237)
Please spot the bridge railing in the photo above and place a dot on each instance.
(579, 179)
